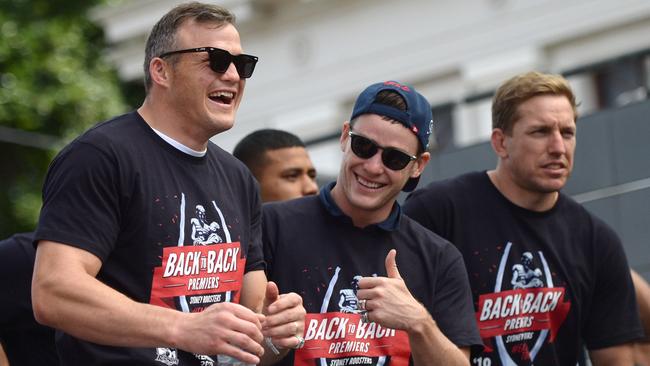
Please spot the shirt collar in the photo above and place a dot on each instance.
(390, 224)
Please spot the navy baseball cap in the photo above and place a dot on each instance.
(417, 117)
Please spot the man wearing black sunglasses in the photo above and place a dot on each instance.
(149, 241)
(341, 250)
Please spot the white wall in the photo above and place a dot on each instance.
(316, 55)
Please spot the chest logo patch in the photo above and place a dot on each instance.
(525, 311)
(338, 337)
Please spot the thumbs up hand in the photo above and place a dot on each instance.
(271, 294)
(285, 317)
(388, 301)
(391, 265)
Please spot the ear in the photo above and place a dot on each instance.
(344, 135)
(498, 141)
(159, 70)
(420, 164)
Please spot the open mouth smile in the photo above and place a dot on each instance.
(368, 184)
(222, 97)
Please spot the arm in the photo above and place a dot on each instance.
(389, 303)
(612, 324)
(621, 355)
(430, 346)
(66, 295)
(642, 289)
(284, 314)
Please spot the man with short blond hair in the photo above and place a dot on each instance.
(547, 276)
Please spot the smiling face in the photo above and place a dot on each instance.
(536, 157)
(207, 100)
(366, 189)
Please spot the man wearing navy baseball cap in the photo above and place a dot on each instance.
(378, 288)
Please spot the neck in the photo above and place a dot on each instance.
(360, 217)
(520, 196)
(166, 120)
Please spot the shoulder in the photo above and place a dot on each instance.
(451, 187)
(418, 234)
(234, 178)
(228, 162)
(292, 209)
(232, 167)
(124, 131)
(20, 240)
(121, 141)
(435, 255)
(441, 198)
(224, 157)
(17, 255)
(117, 129)
(592, 226)
(299, 217)
(570, 209)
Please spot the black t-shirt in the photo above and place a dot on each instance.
(24, 340)
(542, 282)
(171, 229)
(313, 249)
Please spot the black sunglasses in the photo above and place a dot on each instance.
(392, 158)
(220, 60)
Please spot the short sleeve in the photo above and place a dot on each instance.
(613, 318)
(431, 209)
(81, 203)
(453, 308)
(268, 242)
(255, 255)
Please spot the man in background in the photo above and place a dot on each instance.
(24, 340)
(280, 163)
(547, 276)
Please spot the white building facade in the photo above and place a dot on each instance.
(315, 56)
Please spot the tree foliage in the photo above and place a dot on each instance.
(54, 81)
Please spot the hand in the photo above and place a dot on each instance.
(285, 317)
(388, 301)
(224, 328)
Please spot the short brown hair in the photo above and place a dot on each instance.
(391, 99)
(163, 34)
(515, 91)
